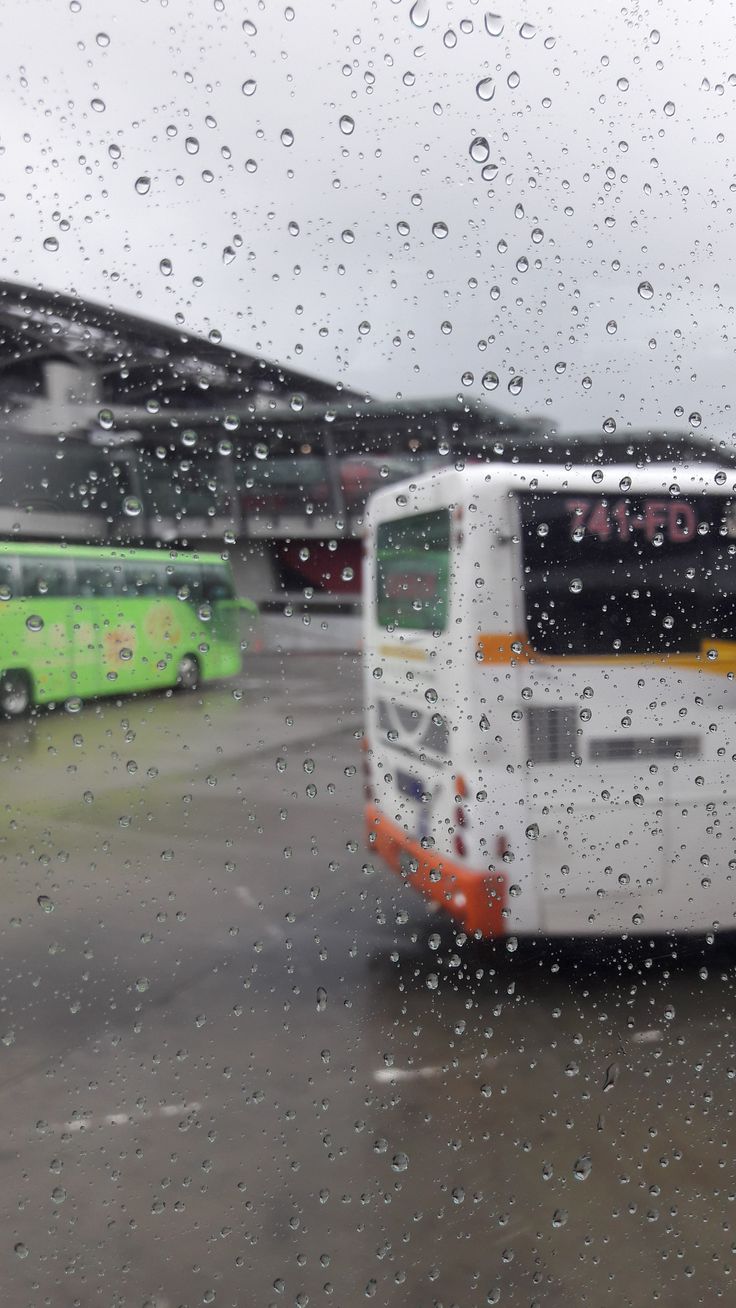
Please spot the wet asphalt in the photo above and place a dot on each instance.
(239, 1065)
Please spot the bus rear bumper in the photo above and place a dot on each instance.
(474, 898)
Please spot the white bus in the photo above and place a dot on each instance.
(550, 696)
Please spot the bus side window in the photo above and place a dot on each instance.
(185, 582)
(216, 585)
(145, 579)
(44, 577)
(9, 584)
(98, 580)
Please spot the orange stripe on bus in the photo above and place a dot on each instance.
(476, 898)
(718, 656)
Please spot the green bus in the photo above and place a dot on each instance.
(81, 621)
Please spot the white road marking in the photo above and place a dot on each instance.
(387, 1075)
(124, 1119)
(651, 1037)
(247, 897)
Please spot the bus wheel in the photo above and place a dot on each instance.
(15, 694)
(187, 673)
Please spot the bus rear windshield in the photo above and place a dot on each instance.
(621, 574)
(412, 567)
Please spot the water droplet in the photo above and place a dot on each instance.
(228, 254)
(612, 327)
(439, 230)
(485, 88)
(347, 125)
(609, 426)
(669, 108)
(98, 105)
(515, 385)
(287, 137)
(493, 24)
(347, 236)
(102, 40)
(191, 145)
(419, 13)
(532, 831)
(132, 506)
(105, 419)
(537, 235)
(142, 984)
(654, 36)
(582, 1168)
(622, 83)
(522, 264)
(321, 999)
(695, 419)
(20, 1250)
(249, 86)
(51, 244)
(364, 327)
(489, 381)
(527, 31)
(399, 1162)
(645, 290)
(432, 981)
(559, 1218)
(576, 586)
(166, 267)
(479, 149)
(34, 622)
(625, 484)
(611, 1076)
(45, 904)
(513, 80)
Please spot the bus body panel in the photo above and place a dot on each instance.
(84, 631)
(597, 789)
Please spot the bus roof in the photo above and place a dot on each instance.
(53, 549)
(454, 485)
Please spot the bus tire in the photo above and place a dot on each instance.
(187, 673)
(15, 693)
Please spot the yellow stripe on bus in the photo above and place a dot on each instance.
(402, 652)
(717, 656)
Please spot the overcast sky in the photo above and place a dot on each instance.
(610, 136)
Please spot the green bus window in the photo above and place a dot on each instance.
(146, 579)
(99, 580)
(44, 577)
(217, 584)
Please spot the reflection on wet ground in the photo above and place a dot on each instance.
(240, 1066)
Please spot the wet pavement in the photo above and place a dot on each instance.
(239, 1065)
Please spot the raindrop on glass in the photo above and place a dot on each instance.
(493, 24)
(419, 13)
(479, 149)
(486, 88)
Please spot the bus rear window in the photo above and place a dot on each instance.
(618, 574)
(412, 568)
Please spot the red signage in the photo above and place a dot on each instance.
(614, 519)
